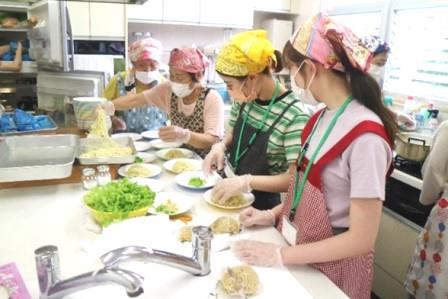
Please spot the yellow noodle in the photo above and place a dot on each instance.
(240, 279)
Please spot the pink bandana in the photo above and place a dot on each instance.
(320, 39)
(189, 60)
(148, 48)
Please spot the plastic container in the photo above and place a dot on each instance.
(409, 105)
(84, 108)
(388, 101)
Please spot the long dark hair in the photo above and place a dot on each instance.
(363, 87)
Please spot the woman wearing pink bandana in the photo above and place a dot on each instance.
(145, 56)
(332, 212)
(196, 112)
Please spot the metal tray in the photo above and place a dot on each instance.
(125, 141)
(37, 157)
(17, 132)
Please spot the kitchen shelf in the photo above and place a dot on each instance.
(24, 30)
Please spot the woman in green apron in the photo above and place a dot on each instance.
(265, 123)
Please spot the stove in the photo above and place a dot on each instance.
(403, 189)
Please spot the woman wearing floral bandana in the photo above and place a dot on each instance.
(145, 57)
(332, 212)
(196, 112)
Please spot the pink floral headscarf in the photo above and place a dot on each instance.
(189, 60)
(148, 48)
(323, 40)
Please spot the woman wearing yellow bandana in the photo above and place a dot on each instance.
(266, 122)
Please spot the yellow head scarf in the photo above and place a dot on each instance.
(248, 52)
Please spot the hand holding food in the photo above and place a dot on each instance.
(215, 158)
(174, 134)
(251, 216)
(230, 187)
(258, 253)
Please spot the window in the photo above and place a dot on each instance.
(418, 63)
(362, 24)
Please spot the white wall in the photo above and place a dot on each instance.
(307, 9)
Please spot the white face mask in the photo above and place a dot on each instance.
(304, 94)
(146, 77)
(376, 72)
(181, 90)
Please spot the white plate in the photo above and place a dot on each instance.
(134, 136)
(162, 153)
(152, 134)
(249, 197)
(183, 179)
(184, 203)
(195, 164)
(154, 185)
(142, 146)
(160, 144)
(147, 157)
(154, 169)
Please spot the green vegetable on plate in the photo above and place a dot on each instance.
(196, 182)
(138, 160)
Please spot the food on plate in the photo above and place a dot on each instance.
(174, 153)
(119, 197)
(239, 280)
(185, 233)
(196, 182)
(138, 159)
(234, 201)
(169, 207)
(181, 166)
(138, 170)
(104, 146)
(224, 225)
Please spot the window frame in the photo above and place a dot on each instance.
(388, 8)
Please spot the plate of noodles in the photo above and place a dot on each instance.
(171, 203)
(182, 164)
(139, 170)
(174, 153)
(234, 203)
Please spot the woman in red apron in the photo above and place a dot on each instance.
(333, 209)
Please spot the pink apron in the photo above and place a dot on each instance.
(352, 275)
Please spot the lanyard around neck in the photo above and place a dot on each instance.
(239, 155)
(298, 188)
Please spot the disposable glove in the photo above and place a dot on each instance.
(258, 253)
(215, 158)
(251, 216)
(174, 134)
(108, 107)
(229, 187)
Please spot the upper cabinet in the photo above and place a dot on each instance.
(91, 20)
(281, 6)
(217, 13)
(229, 13)
(151, 11)
(185, 11)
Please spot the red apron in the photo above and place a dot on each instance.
(352, 275)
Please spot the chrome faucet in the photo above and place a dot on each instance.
(52, 287)
(198, 264)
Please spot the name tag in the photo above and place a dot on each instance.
(289, 231)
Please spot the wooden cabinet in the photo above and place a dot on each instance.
(150, 11)
(185, 11)
(393, 252)
(91, 20)
(79, 18)
(230, 13)
(274, 5)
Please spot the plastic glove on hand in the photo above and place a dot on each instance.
(258, 253)
(215, 158)
(108, 107)
(251, 216)
(229, 187)
(174, 134)
(118, 124)
(407, 120)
